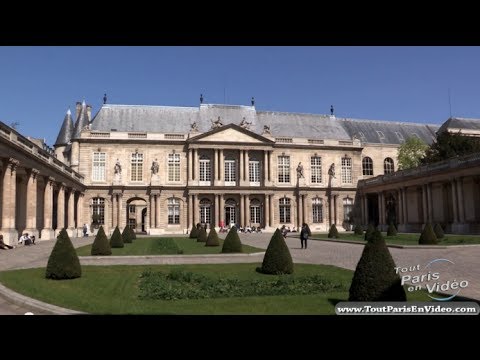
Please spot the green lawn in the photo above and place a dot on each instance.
(115, 290)
(406, 239)
(154, 246)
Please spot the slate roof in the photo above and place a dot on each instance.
(65, 134)
(171, 119)
(81, 122)
(460, 123)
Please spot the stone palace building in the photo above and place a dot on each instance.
(161, 169)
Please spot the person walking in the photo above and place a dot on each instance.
(304, 235)
(85, 230)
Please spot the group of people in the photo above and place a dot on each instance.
(25, 239)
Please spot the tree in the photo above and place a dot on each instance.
(449, 145)
(101, 246)
(375, 278)
(428, 236)
(202, 235)
(126, 235)
(277, 259)
(411, 153)
(212, 239)
(333, 232)
(63, 262)
(232, 243)
(116, 241)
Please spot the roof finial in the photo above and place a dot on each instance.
(105, 98)
(84, 103)
(69, 112)
(331, 110)
(201, 98)
(253, 101)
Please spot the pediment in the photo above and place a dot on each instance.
(231, 133)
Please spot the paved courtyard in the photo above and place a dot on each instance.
(466, 260)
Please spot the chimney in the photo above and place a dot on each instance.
(89, 112)
(78, 108)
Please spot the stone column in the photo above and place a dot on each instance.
(265, 167)
(122, 213)
(152, 210)
(335, 209)
(47, 232)
(430, 202)
(31, 210)
(424, 204)
(272, 211)
(247, 164)
(195, 209)
(157, 211)
(190, 165)
(190, 212)
(80, 212)
(299, 211)
(222, 208)
(454, 201)
(60, 208)
(241, 212)
(216, 221)
(222, 165)
(405, 205)
(71, 209)
(269, 166)
(195, 172)
(114, 211)
(9, 231)
(241, 178)
(461, 204)
(215, 168)
(267, 210)
(247, 210)
(304, 209)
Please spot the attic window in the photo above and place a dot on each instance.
(113, 129)
(381, 135)
(399, 136)
(416, 135)
(362, 136)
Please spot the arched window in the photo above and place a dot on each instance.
(367, 166)
(255, 211)
(388, 166)
(284, 209)
(98, 211)
(173, 211)
(205, 170)
(205, 211)
(317, 210)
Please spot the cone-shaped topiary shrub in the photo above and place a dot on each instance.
(126, 236)
(333, 232)
(369, 232)
(212, 239)
(202, 235)
(63, 262)
(428, 236)
(232, 242)
(194, 232)
(437, 229)
(277, 259)
(101, 246)
(392, 230)
(133, 236)
(358, 230)
(375, 278)
(116, 241)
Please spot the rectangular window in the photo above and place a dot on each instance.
(173, 167)
(98, 211)
(255, 214)
(284, 169)
(230, 175)
(137, 167)
(316, 169)
(284, 210)
(173, 211)
(98, 171)
(346, 171)
(317, 212)
(205, 215)
(205, 172)
(254, 172)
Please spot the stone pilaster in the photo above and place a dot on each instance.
(31, 210)
(47, 232)
(9, 231)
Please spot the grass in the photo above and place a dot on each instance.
(115, 290)
(406, 239)
(163, 246)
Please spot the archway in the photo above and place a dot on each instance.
(230, 212)
(136, 214)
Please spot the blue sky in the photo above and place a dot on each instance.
(411, 84)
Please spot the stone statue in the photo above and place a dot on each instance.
(266, 130)
(245, 124)
(300, 171)
(118, 168)
(155, 167)
(331, 171)
(217, 123)
(194, 127)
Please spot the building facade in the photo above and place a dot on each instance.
(161, 169)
